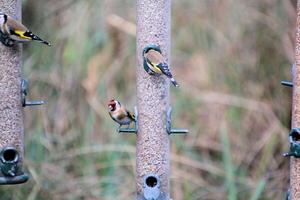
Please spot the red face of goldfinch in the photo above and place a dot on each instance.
(112, 105)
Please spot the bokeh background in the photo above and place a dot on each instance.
(229, 57)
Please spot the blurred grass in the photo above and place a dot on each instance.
(258, 190)
(228, 165)
(229, 59)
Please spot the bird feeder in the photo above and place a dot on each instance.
(11, 115)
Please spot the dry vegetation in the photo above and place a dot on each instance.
(229, 57)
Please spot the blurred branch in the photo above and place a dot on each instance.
(57, 11)
(61, 8)
(122, 24)
(232, 100)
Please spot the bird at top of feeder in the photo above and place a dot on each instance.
(13, 31)
(155, 63)
(119, 113)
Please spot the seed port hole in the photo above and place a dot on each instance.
(151, 181)
(10, 155)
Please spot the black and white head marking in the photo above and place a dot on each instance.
(3, 18)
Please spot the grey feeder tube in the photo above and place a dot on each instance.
(153, 145)
(11, 116)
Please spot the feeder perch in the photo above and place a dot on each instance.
(287, 83)
(169, 128)
(24, 89)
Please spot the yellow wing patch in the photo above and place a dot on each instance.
(21, 35)
(156, 69)
(131, 115)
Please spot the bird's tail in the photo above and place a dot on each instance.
(38, 39)
(174, 82)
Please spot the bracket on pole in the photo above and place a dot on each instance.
(135, 128)
(169, 128)
(24, 90)
(288, 194)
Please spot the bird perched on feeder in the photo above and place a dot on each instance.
(155, 64)
(119, 113)
(15, 31)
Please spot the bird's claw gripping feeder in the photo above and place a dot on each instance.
(294, 138)
(5, 40)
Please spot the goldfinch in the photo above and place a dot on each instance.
(155, 64)
(119, 113)
(16, 31)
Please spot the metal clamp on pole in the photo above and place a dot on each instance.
(169, 128)
(287, 83)
(294, 138)
(10, 167)
(135, 128)
(24, 88)
(288, 194)
(4, 38)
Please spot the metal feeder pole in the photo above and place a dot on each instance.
(153, 145)
(11, 116)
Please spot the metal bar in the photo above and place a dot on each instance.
(287, 83)
(295, 162)
(24, 93)
(11, 116)
(179, 131)
(153, 145)
(127, 130)
(33, 103)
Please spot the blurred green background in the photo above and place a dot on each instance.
(229, 57)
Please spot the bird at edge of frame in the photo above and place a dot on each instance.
(119, 113)
(155, 64)
(14, 31)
